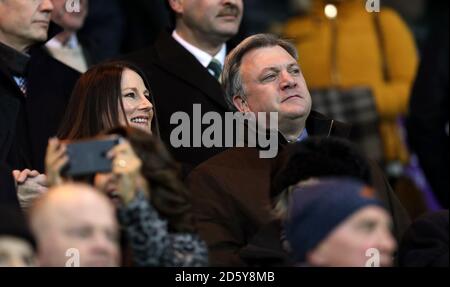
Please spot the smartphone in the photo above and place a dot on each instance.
(88, 157)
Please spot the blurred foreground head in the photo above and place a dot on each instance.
(338, 223)
(17, 245)
(75, 225)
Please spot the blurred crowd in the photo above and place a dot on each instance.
(92, 172)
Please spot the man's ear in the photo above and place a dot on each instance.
(241, 104)
(176, 5)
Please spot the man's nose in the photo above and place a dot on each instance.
(387, 242)
(287, 80)
(145, 103)
(46, 6)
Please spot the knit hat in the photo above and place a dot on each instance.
(315, 209)
(13, 223)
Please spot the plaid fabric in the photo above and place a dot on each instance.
(22, 84)
(357, 107)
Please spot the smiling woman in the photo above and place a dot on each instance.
(107, 96)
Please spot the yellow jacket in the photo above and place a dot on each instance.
(359, 59)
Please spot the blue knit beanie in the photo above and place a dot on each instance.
(316, 209)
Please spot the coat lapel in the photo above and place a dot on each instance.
(183, 65)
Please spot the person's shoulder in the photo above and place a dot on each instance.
(143, 56)
(43, 67)
(321, 125)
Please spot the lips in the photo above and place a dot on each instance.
(292, 97)
(140, 120)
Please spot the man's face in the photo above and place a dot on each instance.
(24, 22)
(72, 21)
(215, 18)
(273, 82)
(348, 244)
(16, 252)
(87, 225)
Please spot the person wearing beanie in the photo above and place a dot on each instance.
(337, 222)
(17, 244)
(319, 157)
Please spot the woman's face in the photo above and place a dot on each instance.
(135, 98)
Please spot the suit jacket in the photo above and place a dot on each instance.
(232, 206)
(8, 194)
(50, 84)
(177, 81)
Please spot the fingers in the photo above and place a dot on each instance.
(56, 156)
(16, 174)
(21, 176)
(33, 173)
(41, 180)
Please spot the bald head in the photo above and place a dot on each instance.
(75, 217)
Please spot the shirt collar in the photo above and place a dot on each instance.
(203, 57)
(15, 61)
(303, 136)
(72, 43)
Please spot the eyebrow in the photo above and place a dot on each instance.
(135, 90)
(277, 68)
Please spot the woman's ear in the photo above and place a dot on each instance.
(241, 104)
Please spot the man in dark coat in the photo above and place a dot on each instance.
(8, 193)
(183, 67)
(428, 119)
(230, 192)
(34, 88)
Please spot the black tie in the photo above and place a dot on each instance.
(215, 67)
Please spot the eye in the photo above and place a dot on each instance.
(295, 71)
(80, 232)
(367, 227)
(269, 78)
(130, 95)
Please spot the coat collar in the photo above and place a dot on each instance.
(176, 60)
(17, 62)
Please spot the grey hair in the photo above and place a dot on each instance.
(281, 203)
(231, 76)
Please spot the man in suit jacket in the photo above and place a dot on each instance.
(8, 190)
(230, 192)
(183, 67)
(34, 88)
